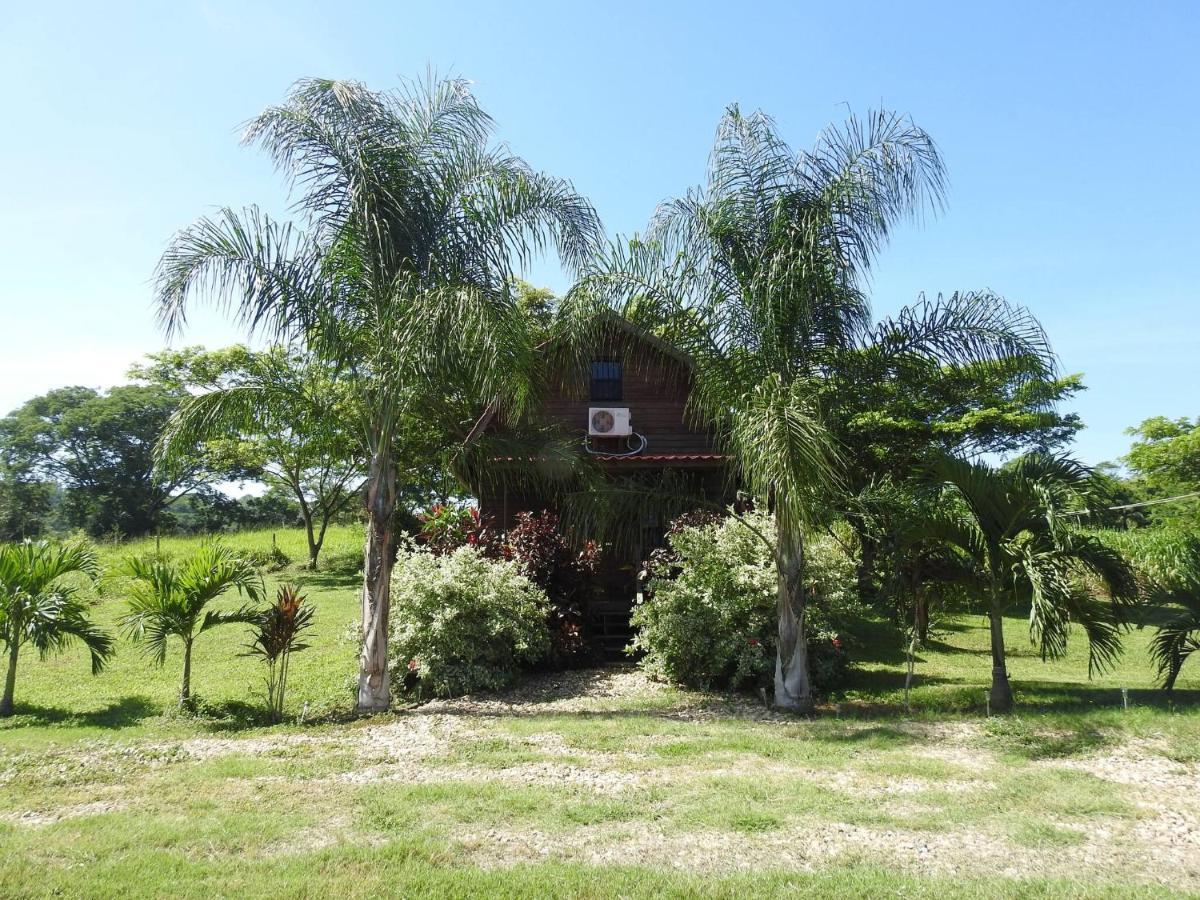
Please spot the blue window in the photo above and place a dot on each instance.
(606, 380)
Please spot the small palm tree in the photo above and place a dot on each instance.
(40, 606)
(170, 599)
(277, 631)
(1008, 525)
(1168, 561)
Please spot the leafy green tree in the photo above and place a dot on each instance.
(27, 507)
(891, 417)
(1012, 527)
(40, 606)
(400, 272)
(99, 447)
(759, 279)
(170, 600)
(283, 414)
(1165, 461)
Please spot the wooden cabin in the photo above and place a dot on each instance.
(628, 412)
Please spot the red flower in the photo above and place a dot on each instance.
(753, 642)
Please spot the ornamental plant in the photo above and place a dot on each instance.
(445, 528)
(40, 605)
(709, 616)
(462, 622)
(277, 635)
(172, 599)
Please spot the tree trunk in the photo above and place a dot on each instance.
(922, 619)
(1001, 697)
(10, 681)
(793, 690)
(374, 692)
(185, 692)
(316, 543)
(314, 548)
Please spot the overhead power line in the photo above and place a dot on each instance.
(1085, 512)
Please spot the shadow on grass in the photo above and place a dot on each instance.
(126, 712)
(329, 579)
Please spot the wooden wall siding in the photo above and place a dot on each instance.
(656, 389)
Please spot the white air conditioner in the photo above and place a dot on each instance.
(608, 421)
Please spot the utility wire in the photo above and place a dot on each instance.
(1085, 512)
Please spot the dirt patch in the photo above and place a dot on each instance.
(42, 818)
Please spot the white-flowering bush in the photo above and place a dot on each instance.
(711, 617)
(462, 623)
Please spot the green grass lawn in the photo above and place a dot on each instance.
(592, 784)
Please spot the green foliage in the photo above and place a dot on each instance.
(1009, 527)
(26, 507)
(170, 599)
(400, 273)
(1165, 461)
(760, 278)
(710, 616)
(1167, 560)
(282, 415)
(98, 447)
(462, 623)
(40, 606)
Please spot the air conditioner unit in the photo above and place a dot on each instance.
(608, 421)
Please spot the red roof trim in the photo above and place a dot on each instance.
(646, 457)
(662, 457)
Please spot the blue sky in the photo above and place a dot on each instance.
(1069, 129)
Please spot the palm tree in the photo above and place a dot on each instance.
(170, 600)
(759, 278)
(401, 271)
(1012, 526)
(1168, 562)
(40, 606)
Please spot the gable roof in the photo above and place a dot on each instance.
(608, 317)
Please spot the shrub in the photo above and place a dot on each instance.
(444, 528)
(541, 553)
(535, 543)
(462, 622)
(709, 619)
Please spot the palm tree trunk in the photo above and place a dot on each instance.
(185, 692)
(374, 693)
(10, 681)
(1001, 697)
(793, 689)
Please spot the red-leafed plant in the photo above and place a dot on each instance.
(536, 544)
(445, 528)
(277, 631)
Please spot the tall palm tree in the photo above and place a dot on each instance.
(1013, 528)
(39, 605)
(171, 599)
(401, 270)
(759, 277)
